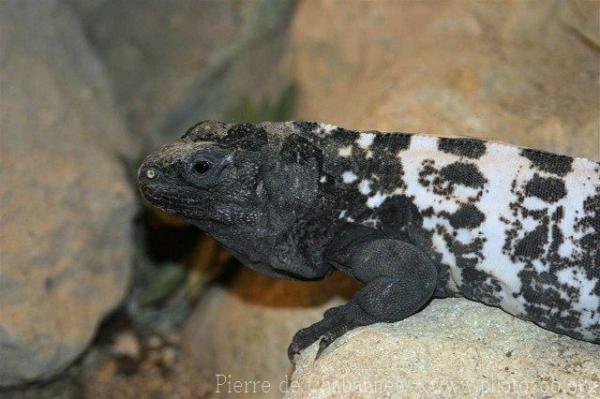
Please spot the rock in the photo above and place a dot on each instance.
(66, 205)
(203, 61)
(126, 344)
(453, 348)
(582, 17)
(242, 330)
(169, 357)
(523, 73)
(162, 374)
(154, 342)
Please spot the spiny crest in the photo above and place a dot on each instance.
(207, 130)
(245, 136)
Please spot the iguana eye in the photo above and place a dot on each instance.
(202, 167)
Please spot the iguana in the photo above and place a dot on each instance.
(411, 216)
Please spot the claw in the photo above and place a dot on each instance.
(302, 339)
(323, 344)
(334, 325)
(333, 334)
(293, 350)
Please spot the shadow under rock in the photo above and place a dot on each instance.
(258, 289)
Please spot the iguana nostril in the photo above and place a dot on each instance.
(150, 173)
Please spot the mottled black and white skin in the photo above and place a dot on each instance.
(411, 216)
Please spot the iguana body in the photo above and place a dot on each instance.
(409, 215)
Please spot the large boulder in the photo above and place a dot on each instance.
(66, 207)
(454, 348)
(177, 62)
(520, 72)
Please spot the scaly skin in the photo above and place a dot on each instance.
(411, 216)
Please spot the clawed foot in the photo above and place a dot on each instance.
(336, 322)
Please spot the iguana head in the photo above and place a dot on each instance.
(200, 179)
(234, 182)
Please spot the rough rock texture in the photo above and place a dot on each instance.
(66, 206)
(520, 72)
(162, 371)
(454, 348)
(243, 330)
(205, 58)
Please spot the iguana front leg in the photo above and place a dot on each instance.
(399, 278)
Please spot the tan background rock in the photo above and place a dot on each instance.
(66, 207)
(176, 62)
(243, 329)
(521, 72)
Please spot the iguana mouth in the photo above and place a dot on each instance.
(172, 202)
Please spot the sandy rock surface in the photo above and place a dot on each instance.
(66, 206)
(521, 72)
(453, 348)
